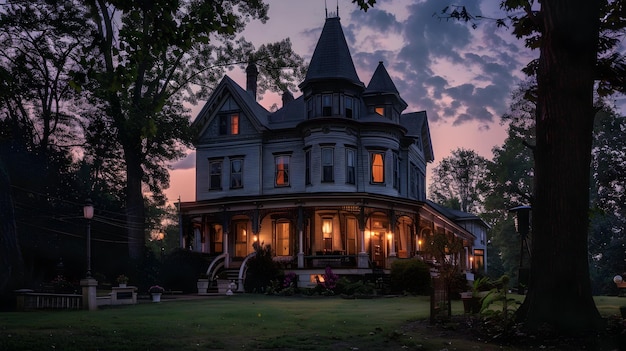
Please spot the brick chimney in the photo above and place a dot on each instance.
(287, 97)
(252, 74)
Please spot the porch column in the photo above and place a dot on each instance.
(300, 238)
(225, 239)
(363, 258)
(392, 230)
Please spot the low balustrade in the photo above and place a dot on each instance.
(30, 300)
(334, 259)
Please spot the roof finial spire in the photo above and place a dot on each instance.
(331, 14)
(326, 8)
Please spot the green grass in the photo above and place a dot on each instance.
(244, 322)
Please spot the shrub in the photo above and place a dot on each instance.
(261, 270)
(412, 276)
(181, 269)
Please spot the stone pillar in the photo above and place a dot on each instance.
(89, 293)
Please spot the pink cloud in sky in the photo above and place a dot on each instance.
(461, 76)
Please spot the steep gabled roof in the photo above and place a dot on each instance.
(331, 58)
(416, 124)
(256, 113)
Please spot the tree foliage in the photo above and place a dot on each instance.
(459, 181)
(148, 59)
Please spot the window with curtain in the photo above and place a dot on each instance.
(378, 167)
(236, 173)
(283, 238)
(282, 170)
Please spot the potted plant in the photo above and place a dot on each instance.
(203, 284)
(122, 280)
(223, 283)
(156, 292)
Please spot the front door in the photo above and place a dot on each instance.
(241, 238)
(378, 250)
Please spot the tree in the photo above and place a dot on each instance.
(607, 238)
(572, 57)
(39, 46)
(459, 181)
(510, 179)
(150, 57)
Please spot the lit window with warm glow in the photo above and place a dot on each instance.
(283, 238)
(234, 124)
(378, 167)
(327, 226)
(380, 110)
(282, 170)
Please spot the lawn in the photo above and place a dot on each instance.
(245, 322)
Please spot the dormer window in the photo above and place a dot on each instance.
(380, 110)
(327, 105)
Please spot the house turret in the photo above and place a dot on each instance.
(331, 86)
(381, 95)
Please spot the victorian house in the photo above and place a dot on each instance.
(335, 177)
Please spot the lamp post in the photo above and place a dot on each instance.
(89, 284)
(522, 226)
(88, 214)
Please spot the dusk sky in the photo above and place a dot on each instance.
(462, 77)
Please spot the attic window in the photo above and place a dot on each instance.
(229, 124)
(380, 110)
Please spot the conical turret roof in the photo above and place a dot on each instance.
(331, 58)
(381, 81)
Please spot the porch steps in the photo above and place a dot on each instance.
(231, 274)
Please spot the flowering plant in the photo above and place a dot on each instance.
(122, 279)
(156, 289)
(328, 281)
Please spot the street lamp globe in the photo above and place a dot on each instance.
(88, 209)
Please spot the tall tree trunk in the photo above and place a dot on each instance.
(11, 263)
(559, 293)
(135, 208)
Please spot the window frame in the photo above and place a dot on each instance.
(215, 177)
(396, 170)
(348, 112)
(328, 169)
(307, 167)
(284, 172)
(350, 169)
(282, 236)
(240, 173)
(230, 123)
(375, 168)
(327, 110)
